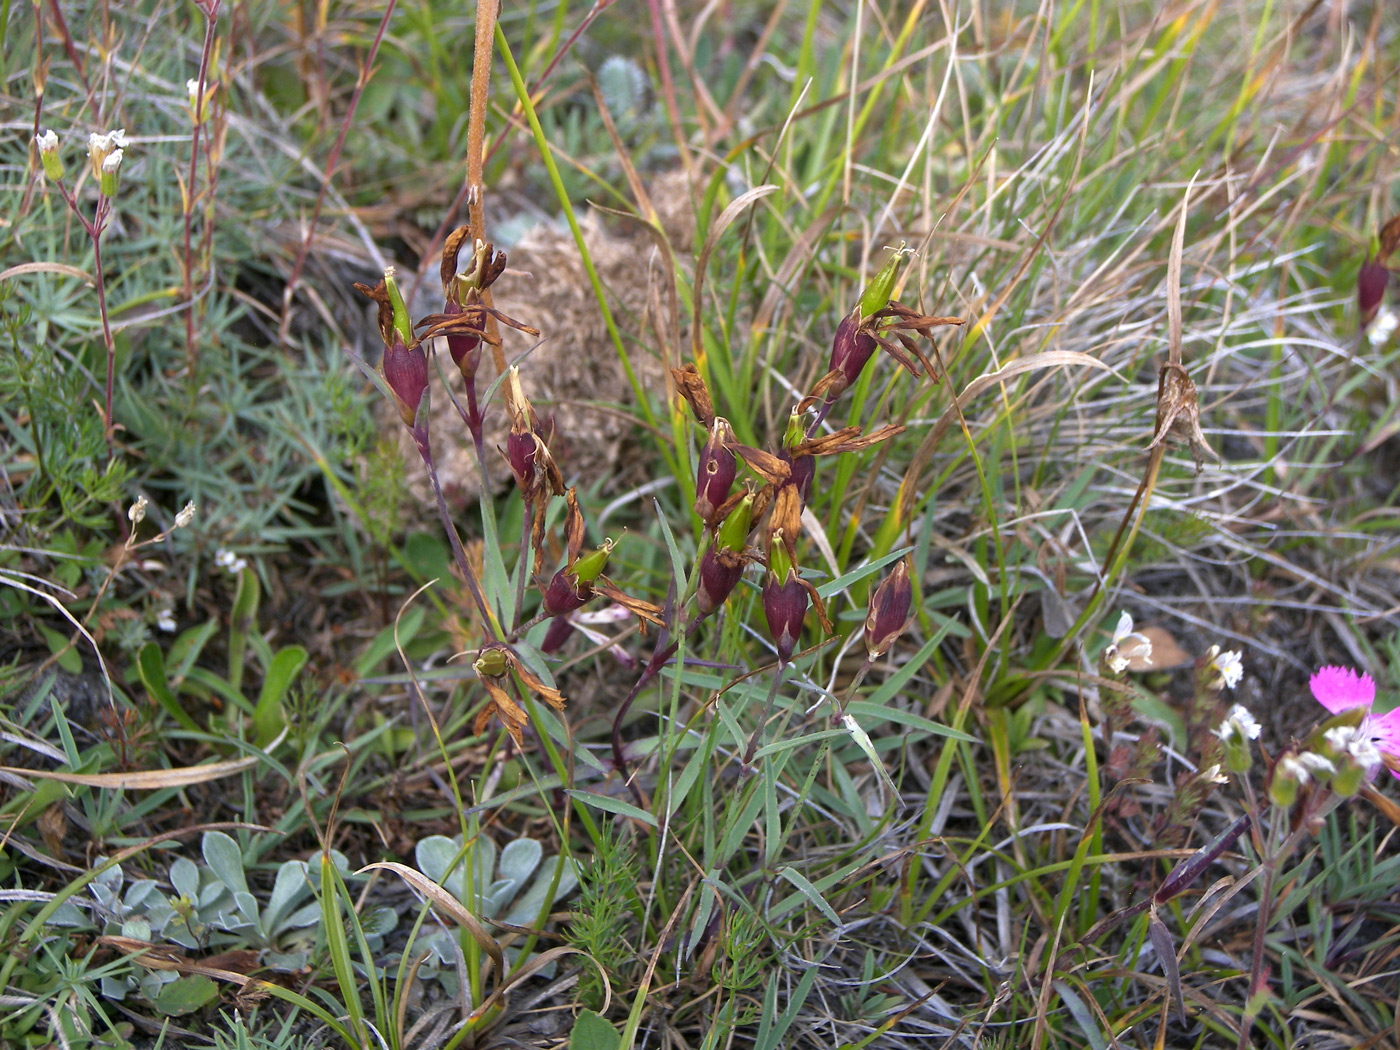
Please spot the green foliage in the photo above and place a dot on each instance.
(605, 917)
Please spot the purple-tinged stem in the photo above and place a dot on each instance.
(211, 14)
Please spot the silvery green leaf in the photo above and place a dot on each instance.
(159, 913)
(110, 878)
(306, 915)
(184, 876)
(519, 860)
(209, 896)
(138, 891)
(286, 962)
(434, 855)
(497, 896)
(380, 921)
(137, 929)
(527, 907)
(114, 988)
(247, 906)
(290, 886)
(68, 914)
(225, 859)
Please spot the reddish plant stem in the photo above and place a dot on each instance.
(67, 39)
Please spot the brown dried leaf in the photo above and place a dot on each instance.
(766, 465)
(691, 386)
(379, 293)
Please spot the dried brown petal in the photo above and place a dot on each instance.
(766, 465)
(450, 249)
(379, 293)
(691, 386)
(1179, 413)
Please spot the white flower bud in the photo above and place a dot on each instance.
(137, 511)
(186, 515)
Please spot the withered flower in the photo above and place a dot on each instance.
(796, 463)
(528, 455)
(888, 613)
(462, 322)
(495, 665)
(404, 365)
(692, 387)
(1179, 413)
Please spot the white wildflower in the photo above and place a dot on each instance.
(1214, 776)
(186, 515)
(165, 621)
(137, 511)
(1239, 722)
(112, 162)
(1353, 741)
(1118, 655)
(1230, 668)
(1383, 326)
(46, 140)
(226, 559)
(1302, 767)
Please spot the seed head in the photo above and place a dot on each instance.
(715, 472)
(888, 614)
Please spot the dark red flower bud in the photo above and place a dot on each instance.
(1370, 289)
(851, 350)
(720, 570)
(558, 633)
(406, 373)
(566, 592)
(715, 475)
(785, 609)
(464, 347)
(888, 614)
(802, 471)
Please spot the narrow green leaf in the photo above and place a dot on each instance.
(810, 892)
(150, 665)
(612, 805)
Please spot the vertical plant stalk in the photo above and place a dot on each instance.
(295, 278)
(99, 223)
(476, 149)
(211, 16)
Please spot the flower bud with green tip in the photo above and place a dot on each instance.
(722, 564)
(101, 146)
(111, 173)
(1235, 733)
(572, 586)
(47, 142)
(785, 601)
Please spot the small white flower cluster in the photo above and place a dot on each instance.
(1383, 326)
(1238, 723)
(1119, 655)
(1227, 666)
(1352, 741)
(226, 559)
(165, 620)
(1304, 765)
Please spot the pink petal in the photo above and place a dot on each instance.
(1386, 730)
(1340, 688)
